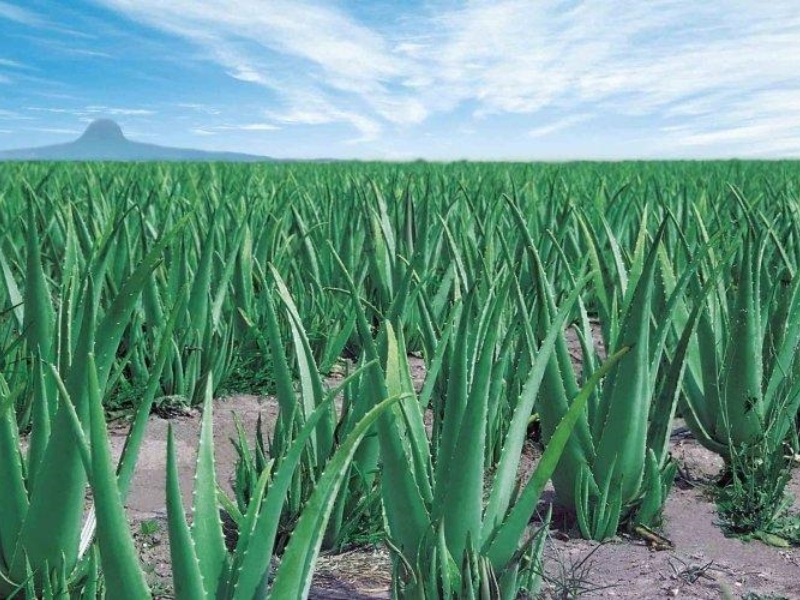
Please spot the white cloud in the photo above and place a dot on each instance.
(19, 15)
(321, 114)
(117, 112)
(729, 73)
(560, 124)
(11, 64)
(12, 115)
(301, 50)
(250, 127)
(200, 108)
(49, 110)
(211, 130)
(55, 130)
(92, 111)
(763, 123)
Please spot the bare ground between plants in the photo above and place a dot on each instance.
(703, 564)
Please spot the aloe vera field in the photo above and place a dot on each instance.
(422, 381)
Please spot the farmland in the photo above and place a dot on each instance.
(587, 309)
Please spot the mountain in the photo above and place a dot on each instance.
(104, 140)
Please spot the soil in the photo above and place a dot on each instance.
(702, 562)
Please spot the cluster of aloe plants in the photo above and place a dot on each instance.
(148, 284)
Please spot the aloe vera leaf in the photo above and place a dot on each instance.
(15, 298)
(310, 382)
(207, 535)
(413, 421)
(500, 546)
(251, 567)
(502, 486)
(53, 521)
(124, 577)
(627, 393)
(293, 578)
(454, 408)
(39, 317)
(407, 513)
(186, 575)
(13, 495)
(201, 284)
(461, 503)
(135, 437)
(741, 415)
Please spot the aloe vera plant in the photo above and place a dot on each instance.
(742, 383)
(102, 258)
(45, 541)
(616, 467)
(446, 541)
(202, 566)
(357, 512)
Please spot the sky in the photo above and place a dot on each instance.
(432, 79)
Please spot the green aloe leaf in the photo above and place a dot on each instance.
(293, 579)
(186, 574)
(501, 546)
(123, 576)
(207, 535)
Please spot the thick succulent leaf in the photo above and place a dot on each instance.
(502, 545)
(293, 579)
(250, 567)
(503, 484)
(124, 577)
(627, 395)
(742, 412)
(187, 578)
(135, 437)
(13, 495)
(12, 291)
(207, 535)
(407, 513)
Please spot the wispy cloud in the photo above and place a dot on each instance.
(559, 125)
(117, 112)
(11, 64)
(94, 111)
(249, 127)
(308, 54)
(12, 12)
(13, 115)
(54, 130)
(318, 112)
(766, 123)
(698, 78)
(254, 127)
(199, 108)
(626, 59)
(6, 63)
(623, 58)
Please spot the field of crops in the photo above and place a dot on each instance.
(582, 306)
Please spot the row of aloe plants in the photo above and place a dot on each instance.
(475, 286)
(76, 449)
(448, 225)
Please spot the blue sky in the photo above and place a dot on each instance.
(508, 79)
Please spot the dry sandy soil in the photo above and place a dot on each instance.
(702, 564)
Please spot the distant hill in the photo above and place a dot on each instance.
(104, 140)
